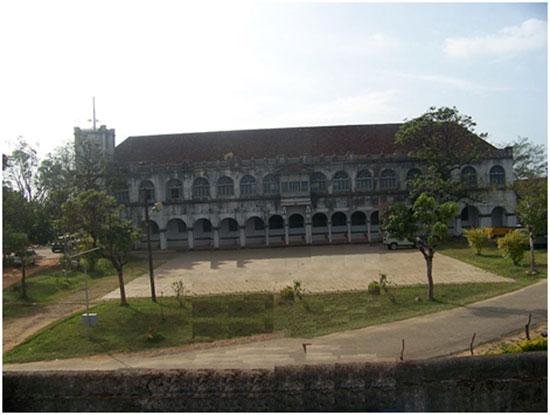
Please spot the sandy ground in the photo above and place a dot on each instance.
(318, 268)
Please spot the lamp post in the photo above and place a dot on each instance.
(157, 207)
(87, 318)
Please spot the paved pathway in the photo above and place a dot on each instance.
(428, 336)
(318, 268)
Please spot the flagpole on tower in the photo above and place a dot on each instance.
(93, 119)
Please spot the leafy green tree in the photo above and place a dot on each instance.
(532, 210)
(96, 214)
(529, 159)
(17, 213)
(425, 224)
(18, 243)
(22, 170)
(116, 241)
(445, 141)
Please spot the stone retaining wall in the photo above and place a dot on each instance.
(482, 383)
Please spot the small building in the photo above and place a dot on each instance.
(288, 186)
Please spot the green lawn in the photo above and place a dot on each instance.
(491, 260)
(50, 285)
(141, 326)
(145, 325)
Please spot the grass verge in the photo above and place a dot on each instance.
(145, 325)
(50, 285)
(491, 260)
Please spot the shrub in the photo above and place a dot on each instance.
(385, 285)
(374, 288)
(540, 344)
(477, 239)
(287, 294)
(181, 292)
(512, 246)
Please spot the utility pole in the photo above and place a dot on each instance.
(150, 253)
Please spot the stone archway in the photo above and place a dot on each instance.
(319, 228)
(229, 233)
(203, 233)
(176, 234)
(254, 231)
(339, 227)
(296, 229)
(359, 231)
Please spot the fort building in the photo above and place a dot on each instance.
(288, 186)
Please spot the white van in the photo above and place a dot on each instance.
(394, 243)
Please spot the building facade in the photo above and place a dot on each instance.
(294, 186)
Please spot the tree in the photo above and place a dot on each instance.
(18, 214)
(22, 169)
(445, 141)
(96, 214)
(18, 242)
(92, 167)
(425, 224)
(529, 159)
(56, 177)
(532, 210)
(116, 240)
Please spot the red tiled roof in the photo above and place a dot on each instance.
(258, 144)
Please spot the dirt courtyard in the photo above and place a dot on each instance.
(318, 268)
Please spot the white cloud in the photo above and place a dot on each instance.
(452, 81)
(371, 107)
(510, 41)
(378, 44)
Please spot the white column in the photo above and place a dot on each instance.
(287, 241)
(163, 239)
(266, 235)
(458, 226)
(216, 238)
(190, 238)
(309, 236)
(242, 236)
(368, 230)
(349, 231)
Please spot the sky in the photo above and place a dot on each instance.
(164, 67)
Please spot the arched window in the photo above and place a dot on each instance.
(296, 221)
(201, 188)
(358, 219)
(341, 182)
(375, 218)
(224, 187)
(318, 183)
(271, 185)
(388, 179)
(147, 191)
(248, 186)
(319, 220)
(497, 176)
(339, 219)
(498, 216)
(122, 194)
(174, 190)
(363, 180)
(469, 176)
(276, 222)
